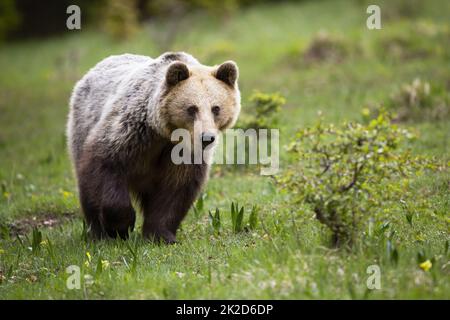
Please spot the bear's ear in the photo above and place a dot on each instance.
(176, 72)
(228, 72)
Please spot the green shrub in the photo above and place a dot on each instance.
(420, 101)
(403, 46)
(326, 48)
(414, 41)
(263, 110)
(344, 175)
(214, 221)
(400, 9)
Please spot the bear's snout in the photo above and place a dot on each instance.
(207, 139)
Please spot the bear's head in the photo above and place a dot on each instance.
(202, 100)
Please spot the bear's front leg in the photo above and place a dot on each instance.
(105, 201)
(118, 215)
(164, 210)
(90, 205)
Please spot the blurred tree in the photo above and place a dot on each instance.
(222, 9)
(31, 18)
(9, 18)
(120, 19)
(46, 17)
(167, 8)
(173, 11)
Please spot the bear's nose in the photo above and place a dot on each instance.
(207, 139)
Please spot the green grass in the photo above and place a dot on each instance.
(286, 256)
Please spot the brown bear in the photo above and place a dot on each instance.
(122, 114)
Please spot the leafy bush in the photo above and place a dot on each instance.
(265, 108)
(419, 101)
(345, 174)
(400, 9)
(402, 46)
(326, 48)
(414, 41)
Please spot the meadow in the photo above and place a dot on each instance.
(286, 254)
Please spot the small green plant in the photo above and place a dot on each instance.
(36, 240)
(199, 205)
(253, 218)
(266, 108)
(133, 248)
(50, 248)
(346, 174)
(215, 221)
(237, 217)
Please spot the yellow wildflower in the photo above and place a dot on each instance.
(65, 194)
(87, 263)
(426, 265)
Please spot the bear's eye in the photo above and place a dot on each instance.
(215, 110)
(192, 110)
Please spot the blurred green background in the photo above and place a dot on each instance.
(317, 55)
